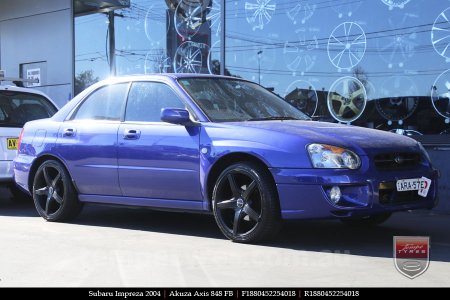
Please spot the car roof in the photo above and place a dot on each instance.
(27, 90)
(165, 75)
(68, 107)
(149, 77)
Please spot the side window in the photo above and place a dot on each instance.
(105, 103)
(17, 108)
(146, 99)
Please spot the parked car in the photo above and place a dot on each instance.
(216, 144)
(17, 106)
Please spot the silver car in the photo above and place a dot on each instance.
(17, 106)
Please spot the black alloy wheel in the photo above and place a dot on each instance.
(245, 203)
(54, 196)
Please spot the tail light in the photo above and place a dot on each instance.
(20, 140)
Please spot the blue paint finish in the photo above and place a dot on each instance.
(144, 202)
(148, 165)
(91, 156)
(164, 165)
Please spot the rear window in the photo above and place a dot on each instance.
(17, 108)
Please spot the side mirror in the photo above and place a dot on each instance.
(176, 116)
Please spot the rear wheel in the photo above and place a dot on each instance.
(372, 220)
(245, 203)
(54, 196)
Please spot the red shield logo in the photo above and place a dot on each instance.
(411, 255)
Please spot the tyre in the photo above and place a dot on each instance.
(245, 203)
(367, 221)
(54, 196)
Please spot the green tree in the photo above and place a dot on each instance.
(83, 80)
(361, 75)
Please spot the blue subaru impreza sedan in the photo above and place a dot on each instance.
(202, 143)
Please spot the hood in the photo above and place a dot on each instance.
(359, 139)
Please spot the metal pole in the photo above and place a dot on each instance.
(259, 66)
(112, 44)
(222, 37)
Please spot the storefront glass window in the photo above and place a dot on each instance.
(91, 50)
(378, 64)
(149, 37)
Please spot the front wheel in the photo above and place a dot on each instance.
(54, 196)
(245, 203)
(366, 221)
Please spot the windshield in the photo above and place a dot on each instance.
(230, 100)
(17, 108)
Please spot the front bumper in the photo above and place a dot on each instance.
(303, 193)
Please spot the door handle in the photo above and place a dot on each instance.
(69, 132)
(131, 134)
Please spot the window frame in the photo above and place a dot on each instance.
(177, 93)
(73, 113)
(50, 107)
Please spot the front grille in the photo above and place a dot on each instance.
(388, 194)
(388, 161)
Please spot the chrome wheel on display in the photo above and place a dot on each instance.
(53, 193)
(188, 19)
(440, 34)
(346, 45)
(346, 99)
(302, 95)
(398, 100)
(245, 203)
(189, 57)
(397, 108)
(259, 13)
(185, 5)
(440, 94)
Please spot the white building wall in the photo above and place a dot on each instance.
(39, 33)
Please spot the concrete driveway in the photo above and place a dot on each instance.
(110, 246)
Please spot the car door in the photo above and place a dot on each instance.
(157, 160)
(88, 141)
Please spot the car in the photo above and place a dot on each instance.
(18, 105)
(219, 145)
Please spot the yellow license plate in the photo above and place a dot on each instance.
(12, 143)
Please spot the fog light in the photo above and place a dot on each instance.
(335, 194)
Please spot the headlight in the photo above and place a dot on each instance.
(331, 157)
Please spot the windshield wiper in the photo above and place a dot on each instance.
(272, 118)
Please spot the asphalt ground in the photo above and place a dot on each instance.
(114, 247)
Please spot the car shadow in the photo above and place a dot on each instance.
(15, 207)
(136, 218)
(329, 236)
(333, 236)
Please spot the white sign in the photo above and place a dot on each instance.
(34, 74)
(424, 191)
